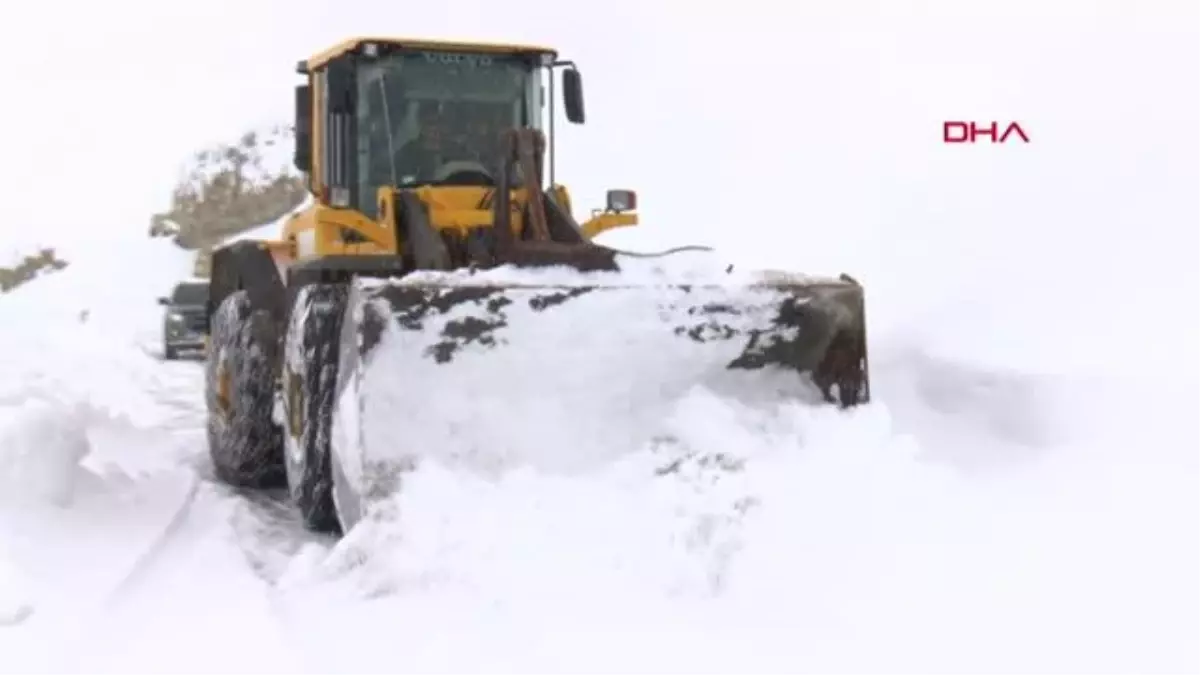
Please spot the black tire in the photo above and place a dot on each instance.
(244, 442)
(309, 386)
(169, 353)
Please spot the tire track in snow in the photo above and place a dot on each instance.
(210, 550)
(270, 532)
(144, 564)
(266, 530)
(194, 584)
(266, 527)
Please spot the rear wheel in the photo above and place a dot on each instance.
(309, 384)
(244, 442)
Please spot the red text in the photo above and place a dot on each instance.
(968, 132)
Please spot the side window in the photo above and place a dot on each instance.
(372, 157)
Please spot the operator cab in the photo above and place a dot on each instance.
(407, 114)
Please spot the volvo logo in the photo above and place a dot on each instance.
(451, 59)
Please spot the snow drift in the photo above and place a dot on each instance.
(783, 536)
(82, 396)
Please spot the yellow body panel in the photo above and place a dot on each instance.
(603, 221)
(321, 230)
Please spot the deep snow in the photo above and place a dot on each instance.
(973, 519)
(1021, 497)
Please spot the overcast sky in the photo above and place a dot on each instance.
(804, 133)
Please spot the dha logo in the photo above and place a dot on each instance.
(968, 132)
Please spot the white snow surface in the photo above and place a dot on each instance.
(1021, 496)
(685, 266)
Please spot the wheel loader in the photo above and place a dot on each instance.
(438, 300)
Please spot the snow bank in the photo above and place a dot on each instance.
(82, 379)
(40, 452)
(89, 333)
(62, 501)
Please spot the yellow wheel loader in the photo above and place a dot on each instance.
(438, 300)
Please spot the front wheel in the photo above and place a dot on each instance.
(243, 440)
(309, 384)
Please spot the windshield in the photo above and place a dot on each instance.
(190, 294)
(436, 117)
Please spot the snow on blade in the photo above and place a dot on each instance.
(694, 266)
(556, 370)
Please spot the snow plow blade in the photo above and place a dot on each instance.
(483, 369)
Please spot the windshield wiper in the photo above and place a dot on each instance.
(387, 122)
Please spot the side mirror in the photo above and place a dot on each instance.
(618, 201)
(302, 155)
(164, 301)
(573, 95)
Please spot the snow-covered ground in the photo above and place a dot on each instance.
(973, 519)
(1022, 496)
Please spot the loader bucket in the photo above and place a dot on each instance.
(560, 369)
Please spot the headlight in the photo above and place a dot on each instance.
(621, 200)
(174, 317)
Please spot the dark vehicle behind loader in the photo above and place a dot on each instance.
(185, 318)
